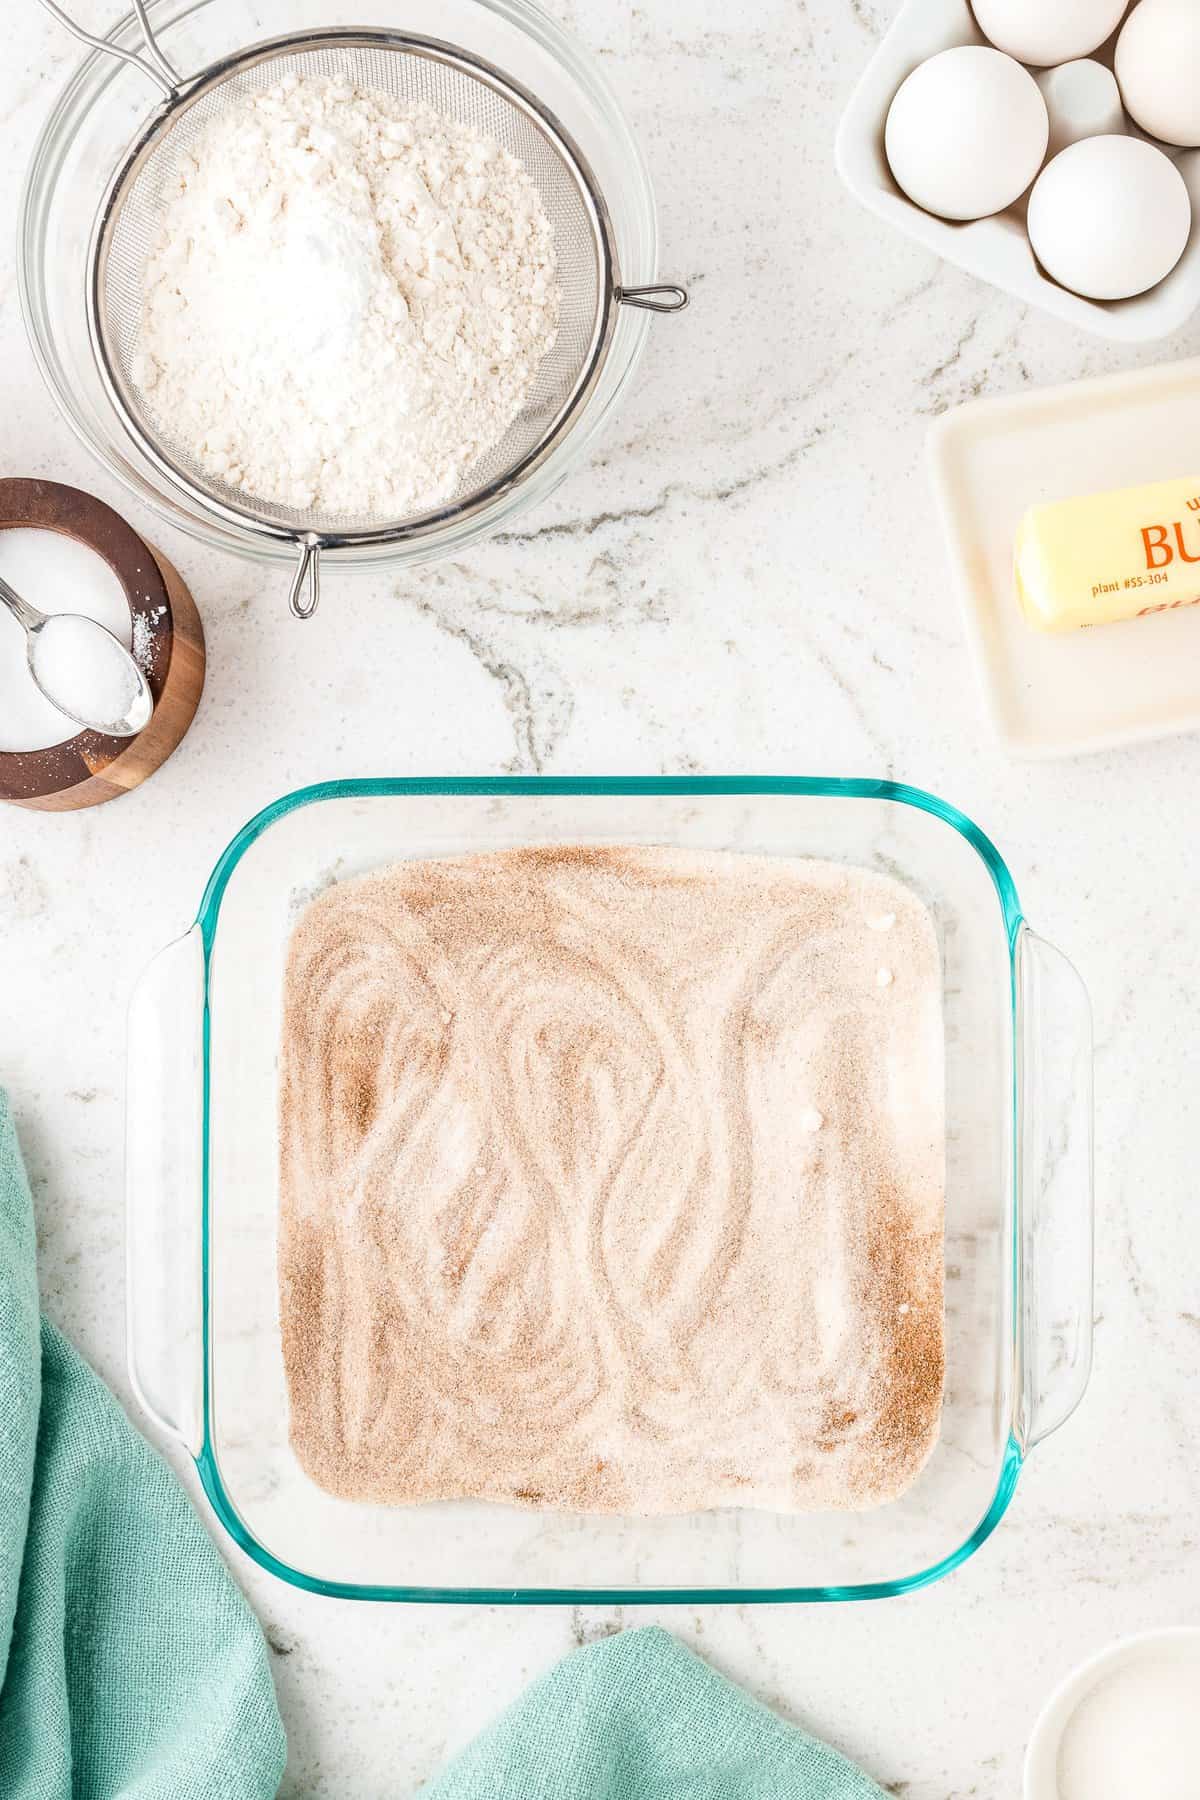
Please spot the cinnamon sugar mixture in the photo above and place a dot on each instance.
(612, 1180)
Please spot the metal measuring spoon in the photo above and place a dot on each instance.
(44, 647)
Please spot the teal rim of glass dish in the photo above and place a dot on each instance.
(206, 1461)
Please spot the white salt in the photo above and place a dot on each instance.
(1137, 1733)
(142, 643)
(56, 574)
(85, 670)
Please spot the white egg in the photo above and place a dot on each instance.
(1109, 217)
(1158, 68)
(1048, 31)
(967, 133)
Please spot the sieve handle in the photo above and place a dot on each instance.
(305, 594)
(664, 297)
(157, 68)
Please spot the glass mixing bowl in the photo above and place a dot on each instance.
(106, 102)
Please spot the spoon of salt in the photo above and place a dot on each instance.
(82, 669)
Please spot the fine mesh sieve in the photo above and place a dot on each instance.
(409, 68)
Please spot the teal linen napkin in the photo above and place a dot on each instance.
(130, 1664)
(638, 1717)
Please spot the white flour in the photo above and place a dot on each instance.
(349, 301)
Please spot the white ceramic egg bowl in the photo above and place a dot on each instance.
(996, 249)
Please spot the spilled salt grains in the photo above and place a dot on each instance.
(573, 1247)
(142, 638)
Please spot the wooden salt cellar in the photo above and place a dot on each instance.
(92, 767)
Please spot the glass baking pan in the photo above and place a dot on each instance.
(204, 1339)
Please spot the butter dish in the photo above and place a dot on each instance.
(1067, 693)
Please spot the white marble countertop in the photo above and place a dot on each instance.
(747, 577)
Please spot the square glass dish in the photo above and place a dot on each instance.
(203, 1183)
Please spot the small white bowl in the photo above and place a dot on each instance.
(995, 249)
(1041, 1759)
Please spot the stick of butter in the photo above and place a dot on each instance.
(1105, 557)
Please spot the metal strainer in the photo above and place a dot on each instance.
(410, 68)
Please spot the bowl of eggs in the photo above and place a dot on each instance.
(1051, 149)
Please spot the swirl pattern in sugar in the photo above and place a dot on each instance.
(612, 1180)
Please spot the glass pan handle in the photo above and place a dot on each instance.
(164, 1147)
(1054, 1187)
